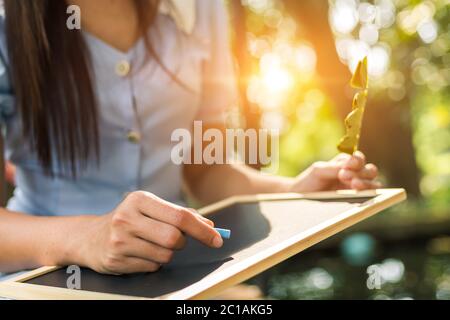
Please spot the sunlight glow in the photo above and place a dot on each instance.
(385, 13)
(305, 59)
(410, 19)
(277, 80)
(428, 31)
(379, 61)
(367, 12)
(369, 34)
(344, 17)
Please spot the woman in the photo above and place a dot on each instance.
(88, 116)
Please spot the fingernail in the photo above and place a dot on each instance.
(218, 242)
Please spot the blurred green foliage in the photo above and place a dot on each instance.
(432, 140)
(408, 45)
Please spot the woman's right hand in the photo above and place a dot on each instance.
(141, 234)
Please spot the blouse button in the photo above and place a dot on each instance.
(123, 68)
(133, 137)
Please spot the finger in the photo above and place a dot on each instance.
(345, 178)
(139, 248)
(356, 162)
(183, 219)
(199, 216)
(198, 229)
(342, 157)
(326, 170)
(346, 175)
(159, 233)
(132, 265)
(362, 184)
(206, 220)
(369, 172)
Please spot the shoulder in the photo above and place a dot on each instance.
(212, 5)
(210, 9)
(211, 16)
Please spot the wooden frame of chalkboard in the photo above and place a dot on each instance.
(381, 199)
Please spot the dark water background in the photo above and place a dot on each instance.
(418, 269)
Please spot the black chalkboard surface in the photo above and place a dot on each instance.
(255, 227)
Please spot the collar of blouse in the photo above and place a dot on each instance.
(183, 12)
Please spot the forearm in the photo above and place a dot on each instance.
(29, 241)
(212, 183)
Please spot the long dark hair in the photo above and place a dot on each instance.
(50, 73)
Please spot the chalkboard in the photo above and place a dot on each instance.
(263, 234)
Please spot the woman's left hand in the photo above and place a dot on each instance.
(342, 172)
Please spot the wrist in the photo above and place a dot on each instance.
(301, 183)
(278, 184)
(287, 185)
(70, 247)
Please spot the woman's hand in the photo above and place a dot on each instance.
(141, 234)
(342, 172)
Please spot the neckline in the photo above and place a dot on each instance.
(112, 48)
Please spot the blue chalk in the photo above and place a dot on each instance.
(224, 233)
